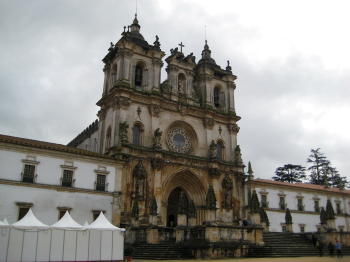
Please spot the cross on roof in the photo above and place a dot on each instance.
(181, 46)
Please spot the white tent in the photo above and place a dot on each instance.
(24, 237)
(66, 240)
(106, 241)
(4, 236)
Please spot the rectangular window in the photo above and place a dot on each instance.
(101, 182)
(338, 208)
(264, 201)
(302, 228)
(96, 213)
(67, 179)
(62, 211)
(282, 203)
(317, 205)
(22, 211)
(28, 173)
(300, 204)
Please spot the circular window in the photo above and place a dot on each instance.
(179, 140)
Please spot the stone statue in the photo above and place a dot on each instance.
(153, 209)
(210, 198)
(329, 210)
(135, 209)
(227, 187)
(123, 132)
(157, 145)
(288, 217)
(139, 174)
(212, 150)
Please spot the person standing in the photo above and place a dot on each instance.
(331, 248)
(338, 248)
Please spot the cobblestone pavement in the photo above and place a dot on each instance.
(282, 259)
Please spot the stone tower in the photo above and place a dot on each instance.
(184, 169)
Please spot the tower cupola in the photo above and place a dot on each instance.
(135, 26)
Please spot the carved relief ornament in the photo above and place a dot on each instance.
(208, 122)
(154, 109)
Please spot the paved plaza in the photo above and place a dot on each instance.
(267, 259)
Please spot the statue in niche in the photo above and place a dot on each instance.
(181, 86)
(227, 187)
(123, 132)
(139, 175)
(157, 139)
(212, 150)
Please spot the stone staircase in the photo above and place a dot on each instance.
(162, 251)
(284, 245)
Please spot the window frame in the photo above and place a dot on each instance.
(29, 161)
(21, 206)
(101, 171)
(62, 211)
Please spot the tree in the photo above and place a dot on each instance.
(290, 173)
(323, 173)
(317, 169)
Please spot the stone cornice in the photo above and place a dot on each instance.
(173, 158)
(148, 97)
(55, 187)
(294, 188)
(301, 212)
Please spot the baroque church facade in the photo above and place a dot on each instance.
(183, 166)
(162, 160)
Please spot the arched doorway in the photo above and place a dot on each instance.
(177, 203)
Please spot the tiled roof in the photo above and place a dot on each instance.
(49, 146)
(302, 185)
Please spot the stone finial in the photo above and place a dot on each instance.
(250, 171)
(238, 156)
(135, 209)
(323, 217)
(123, 132)
(182, 206)
(212, 150)
(254, 202)
(228, 67)
(206, 53)
(153, 208)
(263, 217)
(210, 198)
(191, 209)
(329, 210)
(288, 217)
(157, 145)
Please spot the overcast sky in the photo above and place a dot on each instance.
(291, 59)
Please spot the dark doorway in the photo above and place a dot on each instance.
(173, 206)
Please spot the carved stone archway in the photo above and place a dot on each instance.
(189, 183)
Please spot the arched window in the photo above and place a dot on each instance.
(181, 83)
(220, 150)
(217, 97)
(108, 138)
(138, 75)
(136, 134)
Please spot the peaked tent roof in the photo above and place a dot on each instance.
(103, 224)
(29, 221)
(67, 222)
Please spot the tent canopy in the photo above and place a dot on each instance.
(103, 224)
(29, 221)
(67, 222)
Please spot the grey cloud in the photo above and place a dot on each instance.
(51, 74)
